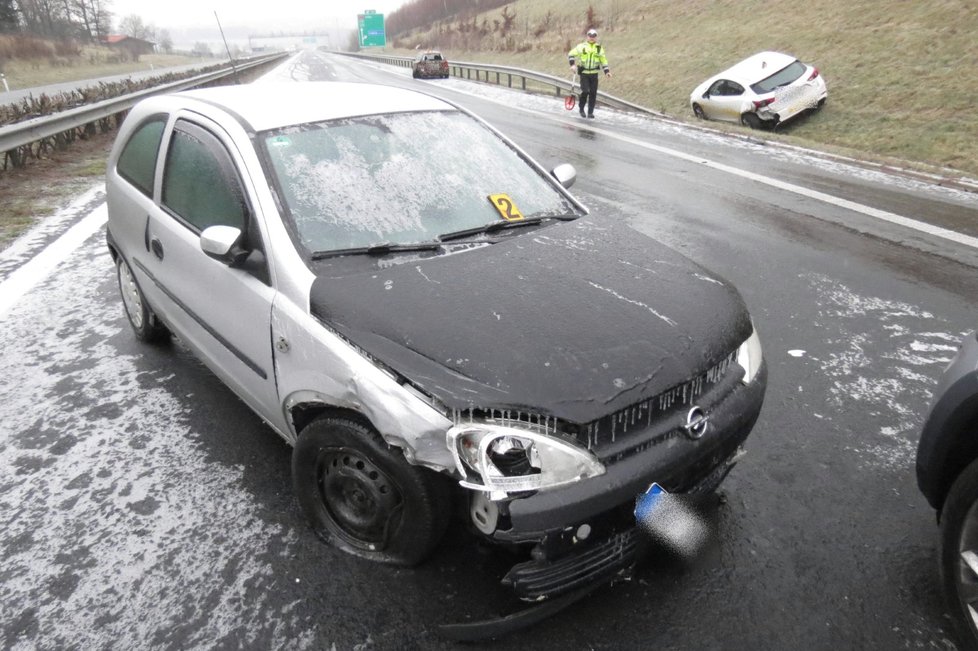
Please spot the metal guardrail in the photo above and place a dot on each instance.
(23, 133)
(485, 71)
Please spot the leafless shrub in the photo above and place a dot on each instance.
(67, 48)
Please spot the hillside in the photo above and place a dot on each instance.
(901, 73)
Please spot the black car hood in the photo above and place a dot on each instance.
(572, 321)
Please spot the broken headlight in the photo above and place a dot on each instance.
(501, 460)
(750, 357)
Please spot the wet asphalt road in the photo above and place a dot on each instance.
(144, 506)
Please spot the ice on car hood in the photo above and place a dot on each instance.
(572, 321)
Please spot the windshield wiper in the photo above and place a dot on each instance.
(381, 248)
(493, 227)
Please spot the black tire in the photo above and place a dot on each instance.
(415, 74)
(750, 120)
(363, 497)
(698, 112)
(959, 535)
(145, 325)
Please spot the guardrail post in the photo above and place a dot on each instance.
(524, 83)
(497, 78)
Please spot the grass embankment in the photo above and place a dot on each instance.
(27, 74)
(27, 62)
(44, 185)
(901, 74)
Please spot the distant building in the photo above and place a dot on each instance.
(289, 42)
(132, 46)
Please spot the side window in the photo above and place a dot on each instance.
(734, 89)
(717, 87)
(137, 163)
(200, 184)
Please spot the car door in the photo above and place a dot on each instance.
(222, 312)
(724, 101)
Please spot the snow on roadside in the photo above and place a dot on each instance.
(116, 530)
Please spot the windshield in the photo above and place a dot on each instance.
(402, 178)
(782, 77)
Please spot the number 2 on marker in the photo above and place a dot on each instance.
(506, 207)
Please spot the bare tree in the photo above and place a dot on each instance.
(43, 17)
(165, 41)
(9, 21)
(92, 16)
(133, 25)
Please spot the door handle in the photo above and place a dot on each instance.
(157, 248)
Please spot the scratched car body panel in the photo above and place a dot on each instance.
(468, 335)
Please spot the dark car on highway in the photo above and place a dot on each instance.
(947, 474)
(431, 320)
(430, 64)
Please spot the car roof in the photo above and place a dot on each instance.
(269, 105)
(757, 67)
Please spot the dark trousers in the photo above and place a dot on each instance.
(589, 92)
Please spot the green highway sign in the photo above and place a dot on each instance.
(371, 26)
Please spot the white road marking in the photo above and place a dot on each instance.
(869, 211)
(33, 272)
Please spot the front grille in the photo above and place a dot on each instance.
(542, 579)
(614, 431)
(617, 426)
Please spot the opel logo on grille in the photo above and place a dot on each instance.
(696, 423)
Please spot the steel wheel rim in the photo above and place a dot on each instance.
(130, 296)
(966, 579)
(362, 501)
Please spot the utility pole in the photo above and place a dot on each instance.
(227, 49)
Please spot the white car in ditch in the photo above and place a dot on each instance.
(763, 90)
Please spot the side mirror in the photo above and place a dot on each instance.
(565, 174)
(221, 243)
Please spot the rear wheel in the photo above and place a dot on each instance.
(144, 323)
(959, 553)
(363, 497)
(698, 112)
(750, 120)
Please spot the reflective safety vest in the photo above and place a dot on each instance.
(590, 58)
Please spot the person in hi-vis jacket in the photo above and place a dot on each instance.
(589, 59)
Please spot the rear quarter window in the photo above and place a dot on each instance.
(137, 163)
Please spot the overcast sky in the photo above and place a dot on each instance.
(241, 18)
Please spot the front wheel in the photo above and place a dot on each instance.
(698, 112)
(363, 497)
(959, 553)
(144, 323)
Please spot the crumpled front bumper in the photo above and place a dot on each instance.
(587, 532)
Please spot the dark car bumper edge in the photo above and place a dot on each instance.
(955, 408)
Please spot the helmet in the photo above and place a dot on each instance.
(592, 32)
